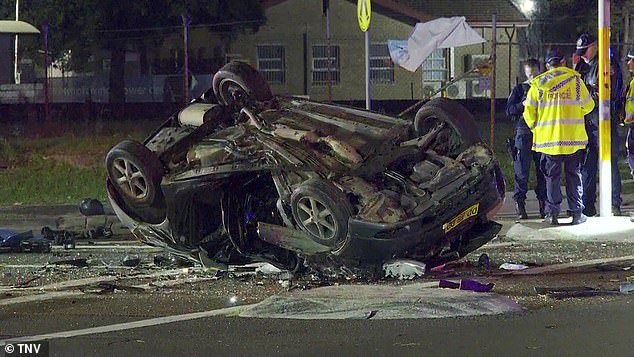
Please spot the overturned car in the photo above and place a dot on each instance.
(240, 175)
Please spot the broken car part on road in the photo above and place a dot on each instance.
(241, 175)
(23, 242)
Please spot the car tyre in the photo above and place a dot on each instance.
(237, 85)
(322, 211)
(136, 174)
(463, 129)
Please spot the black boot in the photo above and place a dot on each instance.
(579, 218)
(550, 219)
(542, 209)
(590, 211)
(520, 209)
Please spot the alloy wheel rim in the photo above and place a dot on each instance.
(233, 93)
(130, 178)
(316, 218)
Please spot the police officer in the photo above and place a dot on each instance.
(523, 154)
(554, 110)
(629, 111)
(589, 68)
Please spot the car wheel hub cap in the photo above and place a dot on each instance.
(233, 93)
(316, 218)
(130, 178)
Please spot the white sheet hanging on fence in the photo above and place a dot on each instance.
(429, 36)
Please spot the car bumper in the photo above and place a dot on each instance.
(418, 236)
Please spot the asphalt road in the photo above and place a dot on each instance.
(588, 329)
(575, 327)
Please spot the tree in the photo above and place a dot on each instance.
(561, 21)
(84, 27)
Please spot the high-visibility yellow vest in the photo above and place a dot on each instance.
(629, 103)
(554, 109)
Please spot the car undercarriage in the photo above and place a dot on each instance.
(241, 175)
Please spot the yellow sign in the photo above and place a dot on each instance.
(364, 13)
(466, 214)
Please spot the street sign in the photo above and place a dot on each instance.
(364, 14)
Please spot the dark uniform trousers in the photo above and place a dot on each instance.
(630, 148)
(591, 165)
(522, 165)
(551, 167)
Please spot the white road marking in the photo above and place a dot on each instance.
(129, 325)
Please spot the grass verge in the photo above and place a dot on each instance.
(62, 169)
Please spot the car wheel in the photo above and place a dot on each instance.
(237, 85)
(136, 174)
(322, 211)
(460, 132)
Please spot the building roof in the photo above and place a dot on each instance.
(477, 12)
(13, 27)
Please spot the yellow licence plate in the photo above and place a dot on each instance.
(466, 214)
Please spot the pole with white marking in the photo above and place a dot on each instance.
(364, 15)
(16, 75)
(605, 144)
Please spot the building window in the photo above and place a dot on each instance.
(435, 67)
(320, 65)
(381, 65)
(272, 64)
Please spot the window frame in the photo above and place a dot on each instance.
(335, 67)
(444, 70)
(266, 72)
(389, 79)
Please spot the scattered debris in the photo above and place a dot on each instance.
(573, 292)
(513, 267)
(267, 268)
(438, 268)
(578, 267)
(466, 284)
(69, 242)
(112, 287)
(626, 288)
(91, 207)
(35, 245)
(78, 262)
(371, 314)
(131, 260)
(484, 261)
(13, 241)
(178, 282)
(98, 232)
(171, 261)
(404, 269)
(64, 237)
(27, 282)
